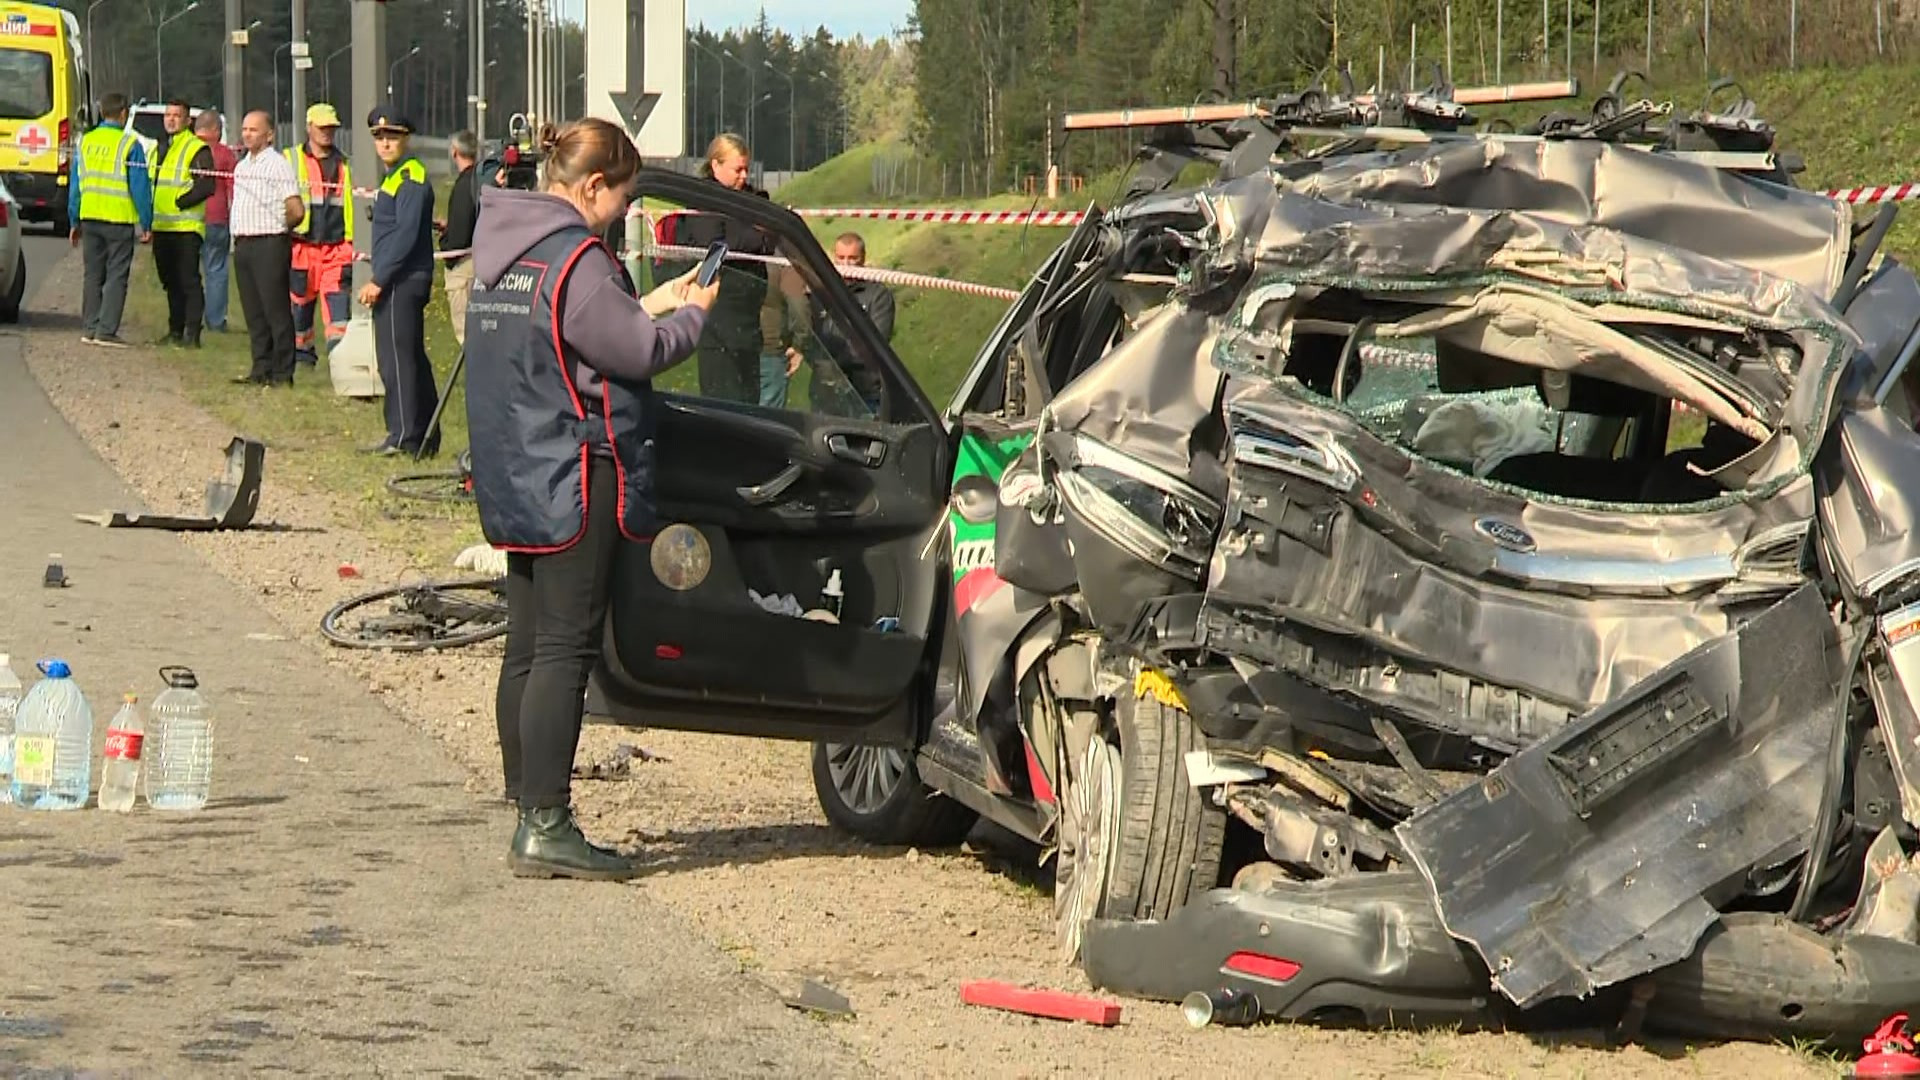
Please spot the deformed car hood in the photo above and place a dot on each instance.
(1794, 235)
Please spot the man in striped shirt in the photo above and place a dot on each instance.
(266, 205)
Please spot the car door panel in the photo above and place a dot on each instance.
(718, 622)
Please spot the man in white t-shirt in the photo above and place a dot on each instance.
(266, 206)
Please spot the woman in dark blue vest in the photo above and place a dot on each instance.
(560, 354)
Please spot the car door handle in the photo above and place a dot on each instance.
(762, 494)
(862, 450)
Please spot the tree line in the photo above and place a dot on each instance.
(995, 77)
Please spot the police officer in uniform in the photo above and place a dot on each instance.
(560, 407)
(401, 286)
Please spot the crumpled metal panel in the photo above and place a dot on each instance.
(1150, 395)
(1800, 236)
(1588, 858)
(1869, 480)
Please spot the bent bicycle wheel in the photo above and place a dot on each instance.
(420, 617)
(444, 486)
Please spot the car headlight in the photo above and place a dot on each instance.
(1150, 514)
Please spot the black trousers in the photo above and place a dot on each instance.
(400, 345)
(556, 611)
(176, 257)
(264, 265)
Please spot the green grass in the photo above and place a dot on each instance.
(313, 435)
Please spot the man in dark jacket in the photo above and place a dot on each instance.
(877, 301)
(463, 209)
(401, 286)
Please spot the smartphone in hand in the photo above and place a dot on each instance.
(710, 266)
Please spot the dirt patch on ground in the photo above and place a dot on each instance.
(742, 852)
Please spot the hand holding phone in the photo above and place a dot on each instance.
(710, 266)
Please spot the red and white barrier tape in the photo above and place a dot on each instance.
(862, 273)
(1867, 195)
(950, 217)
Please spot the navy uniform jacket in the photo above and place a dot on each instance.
(403, 225)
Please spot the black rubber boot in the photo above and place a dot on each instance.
(549, 844)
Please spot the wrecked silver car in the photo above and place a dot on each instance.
(1522, 530)
(1445, 580)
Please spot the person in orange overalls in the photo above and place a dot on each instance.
(323, 241)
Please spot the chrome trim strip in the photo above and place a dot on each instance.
(1679, 575)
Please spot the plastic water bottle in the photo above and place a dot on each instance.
(120, 759)
(53, 743)
(180, 761)
(10, 694)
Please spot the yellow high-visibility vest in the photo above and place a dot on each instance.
(173, 182)
(104, 194)
(339, 200)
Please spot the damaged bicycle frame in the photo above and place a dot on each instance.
(1503, 748)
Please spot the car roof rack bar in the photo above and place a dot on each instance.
(1158, 116)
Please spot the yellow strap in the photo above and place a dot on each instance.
(1151, 683)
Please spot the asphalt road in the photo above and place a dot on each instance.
(343, 906)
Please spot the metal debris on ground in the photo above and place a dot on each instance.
(56, 575)
(811, 995)
(618, 766)
(1224, 1007)
(232, 498)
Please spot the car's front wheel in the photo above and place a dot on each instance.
(1136, 839)
(875, 793)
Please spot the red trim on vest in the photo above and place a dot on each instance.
(580, 413)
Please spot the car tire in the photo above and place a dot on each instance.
(17, 292)
(1137, 840)
(876, 794)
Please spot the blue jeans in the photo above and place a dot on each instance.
(213, 264)
(773, 381)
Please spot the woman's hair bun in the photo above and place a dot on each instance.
(549, 139)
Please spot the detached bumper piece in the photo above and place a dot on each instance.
(1591, 857)
(1367, 949)
(232, 497)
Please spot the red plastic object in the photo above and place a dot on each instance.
(1890, 1051)
(1261, 966)
(1051, 1004)
(348, 570)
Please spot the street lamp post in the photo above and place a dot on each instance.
(326, 69)
(723, 78)
(93, 57)
(753, 91)
(792, 151)
(394, 68)
(159, 36)
(274, 61)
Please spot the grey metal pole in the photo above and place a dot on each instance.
(369, 71)
(1793, 33)
(480, 110)
(1596, 39)
(1499, 38)
(299, 74)
(473, 64)
(533, 67)
(1649, 39)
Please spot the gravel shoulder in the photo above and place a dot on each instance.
(739, 850)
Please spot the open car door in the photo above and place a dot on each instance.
(792, 589)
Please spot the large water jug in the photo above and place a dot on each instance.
(179, 747)
(53, 743)
(10, 694)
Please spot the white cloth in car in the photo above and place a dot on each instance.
(1480, 434)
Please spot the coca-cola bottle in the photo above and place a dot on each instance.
(120, 765)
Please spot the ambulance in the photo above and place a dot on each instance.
(44, 106)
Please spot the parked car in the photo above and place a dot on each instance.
(1426, 582)
(13, 258)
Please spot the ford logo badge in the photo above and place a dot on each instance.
(1505, 533)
